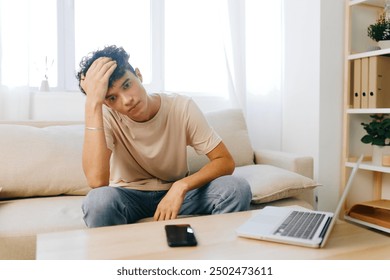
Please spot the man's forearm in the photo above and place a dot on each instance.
(221, 163)
(96, 155)
(212, 170)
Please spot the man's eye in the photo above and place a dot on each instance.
(112, 98)
(126, 85)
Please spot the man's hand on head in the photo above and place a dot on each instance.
(95, 81)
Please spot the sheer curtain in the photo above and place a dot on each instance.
(194, 48)
(234, 50)
(126, 23)
(227, 52)
(264, 63)
(27, 51)
(253, 49)
(28, 42)
(225, 48)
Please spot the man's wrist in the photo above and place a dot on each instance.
(181, 187)
(93, 103)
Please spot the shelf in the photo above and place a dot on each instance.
(368, 54)
(369, 111)
(369, 166)
(360, 14)
(374, 214)
(376, 3)
(370, 225)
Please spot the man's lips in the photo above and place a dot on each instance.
(136, 104)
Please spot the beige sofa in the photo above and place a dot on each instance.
(42, 183)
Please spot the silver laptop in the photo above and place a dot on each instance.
(295, 226)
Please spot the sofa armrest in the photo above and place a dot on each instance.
(302, 165)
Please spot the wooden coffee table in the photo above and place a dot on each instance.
(216, 240)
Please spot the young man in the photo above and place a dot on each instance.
(134, 152)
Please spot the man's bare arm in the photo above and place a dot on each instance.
(96, 155)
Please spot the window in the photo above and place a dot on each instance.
(48, 38)
(123, 23)
(179, 46)
(194, 46)
(28, 36)
(263, 49)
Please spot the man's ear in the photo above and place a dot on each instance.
(139, 75)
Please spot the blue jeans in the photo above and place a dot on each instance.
(107, 206)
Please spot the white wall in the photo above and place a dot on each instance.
(331, 99)
(300, 117)
(313, 84)
(22, 104)
(57, 106)
(263, 114)
(14, 103)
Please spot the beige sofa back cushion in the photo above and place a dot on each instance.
(231, 126)
(41, 161)
(37, 159)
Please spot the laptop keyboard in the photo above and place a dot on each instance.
(300, 225)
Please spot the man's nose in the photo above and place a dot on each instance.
(127, 99)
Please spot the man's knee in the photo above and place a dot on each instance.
(99, 205)
(102, 197)
(239, 191)
(243, 191)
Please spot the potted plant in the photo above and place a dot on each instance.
(378, 135)
(380, 31)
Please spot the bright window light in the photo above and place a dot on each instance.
(124, 23)
(263, 46)
(194, 47)
(28, 42)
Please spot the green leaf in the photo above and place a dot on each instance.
(378, 142)
(367, 139)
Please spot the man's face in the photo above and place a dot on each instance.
(128, 96)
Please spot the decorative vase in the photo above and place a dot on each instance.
(384, 44)
(378, 152)
(44, 86)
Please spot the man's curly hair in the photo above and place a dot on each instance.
(116, 53)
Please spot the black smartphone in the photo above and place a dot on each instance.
(180, 235)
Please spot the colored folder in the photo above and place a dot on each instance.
(364, 85)
(357, 72)
(379, 82)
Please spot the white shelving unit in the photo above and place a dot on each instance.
(369, 111)
(359, 15)
(368, 54)
(369, 166)
(377, 3)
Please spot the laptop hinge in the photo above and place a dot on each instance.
(322, 234)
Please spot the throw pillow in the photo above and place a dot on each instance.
(269, 183)
(231, 126)
(41, 161)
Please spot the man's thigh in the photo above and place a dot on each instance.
(222, 195)
(121, 205)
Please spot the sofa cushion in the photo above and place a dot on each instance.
(41, 161)
(30, 216)
(269, 183)
(231, 126)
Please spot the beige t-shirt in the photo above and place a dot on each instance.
(152, 155)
